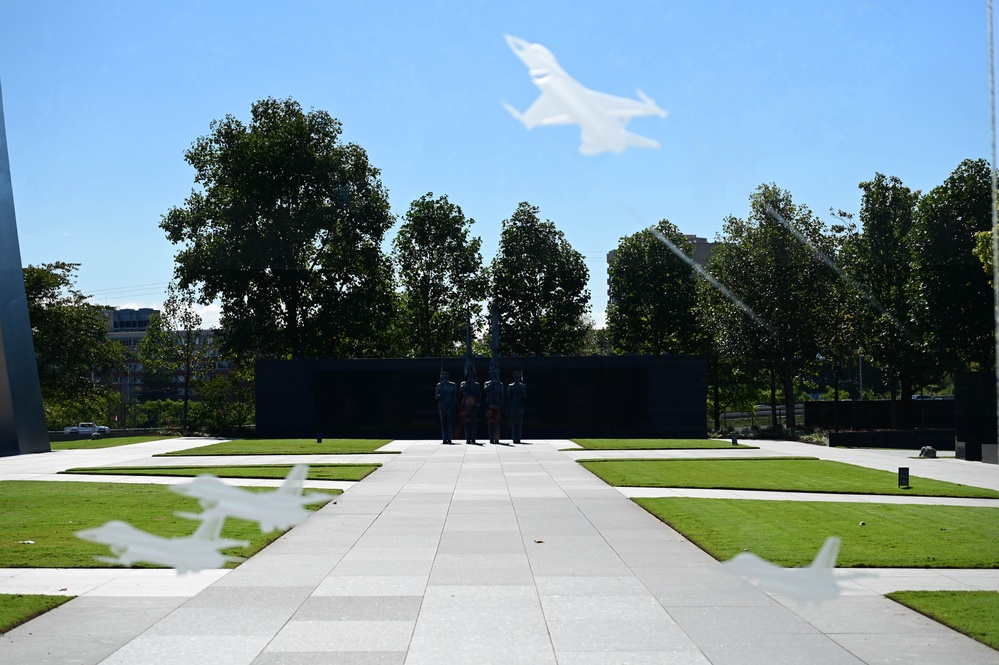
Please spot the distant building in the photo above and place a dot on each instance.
(128, 328)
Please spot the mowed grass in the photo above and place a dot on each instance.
(15, 609)
(974, 613)
(353, 472)
(789, 474)
(654, 444)
(39, 520)
(109, 442)
(790, 533)
(285, 447)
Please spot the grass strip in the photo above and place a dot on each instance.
(39, 520)
(654, 444)
(970, 612)
(790, 533)
(352, 472)
(285, 447)
(788, 474)
(16, 609)
(105, 442)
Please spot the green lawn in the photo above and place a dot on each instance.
(38, 520)
(791, 474)
(974, 613)
(316, 471)
(15, 609)
(653, 444)
(789, 533)
(109, 442)
(285, 447)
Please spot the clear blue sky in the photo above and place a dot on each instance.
(102, 99)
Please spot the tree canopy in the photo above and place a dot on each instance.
(286, 231)
(538, 282)
(441, 274)
(653, 301)
(769, 262)
(71, 344)
(953, 293)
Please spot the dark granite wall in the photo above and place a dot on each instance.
(591, 396)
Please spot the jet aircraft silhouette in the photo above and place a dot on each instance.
(813, 584)
(280, 509)
(564, 101)
(187, 554)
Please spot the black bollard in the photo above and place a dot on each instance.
(319, 438)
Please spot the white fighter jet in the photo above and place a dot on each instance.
(280, 509)
(564, 101)
(813, 584)
(187, 554)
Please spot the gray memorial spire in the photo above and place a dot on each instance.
(22, 417)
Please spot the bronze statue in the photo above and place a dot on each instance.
(516, 401)
(471, 397)
(495, 398)
(447, 397)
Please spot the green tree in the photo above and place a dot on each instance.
(71, 342)
(653, 300)
(160, 358)
(539, 286)
(440, 271)
(771, 269)
(951, 290)
(286, 231)
(880, 259)
(176, 353)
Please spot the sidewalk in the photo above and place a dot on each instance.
(490, 555)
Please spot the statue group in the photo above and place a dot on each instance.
(469, 401)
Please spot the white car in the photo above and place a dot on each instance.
(84, 429)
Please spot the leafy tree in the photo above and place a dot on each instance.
(881, 260)
(71, 342)
(983, 251)
(653, 295)
(175, 352)
(952, 291)
(286, 231)
(160, 359)
(440, 271)
(766, 264)
(539, 285)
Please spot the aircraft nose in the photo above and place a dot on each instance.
(516, 44)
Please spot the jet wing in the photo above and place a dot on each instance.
(546, 110)
(621, 107)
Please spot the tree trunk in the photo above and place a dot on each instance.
(894, 408)
(789, 399)
(773, 400)
(905, 407)
(716, 393)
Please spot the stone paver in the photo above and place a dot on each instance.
(490, 555)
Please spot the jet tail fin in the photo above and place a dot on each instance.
(293, 482)
(826, 558)
(210, 527)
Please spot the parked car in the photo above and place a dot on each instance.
(87, 429)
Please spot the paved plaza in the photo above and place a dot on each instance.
(493, 554)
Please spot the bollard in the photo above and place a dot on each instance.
(735, 440)
(903, 476)
(319, 438)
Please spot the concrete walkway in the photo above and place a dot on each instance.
(487, 555)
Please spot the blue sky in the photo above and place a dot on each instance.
(102, 98)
